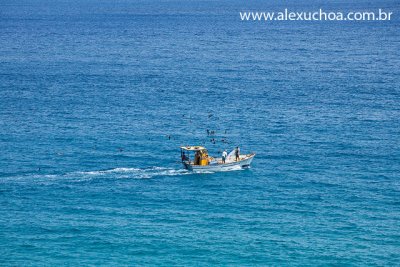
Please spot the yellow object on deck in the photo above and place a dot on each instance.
(203, 162)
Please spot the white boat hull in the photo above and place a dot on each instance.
(243, 163)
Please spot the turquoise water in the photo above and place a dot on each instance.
(97, 97)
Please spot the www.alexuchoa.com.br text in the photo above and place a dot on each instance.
(319, 15)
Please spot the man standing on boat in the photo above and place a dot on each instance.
(224, 155)
(237, 153)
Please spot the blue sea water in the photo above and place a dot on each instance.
(91, 90)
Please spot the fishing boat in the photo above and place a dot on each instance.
(196, 159)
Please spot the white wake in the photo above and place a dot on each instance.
(138, 173)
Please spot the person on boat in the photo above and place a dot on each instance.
(237, 153)
(197, 158)
(224, 155)
(184, 157)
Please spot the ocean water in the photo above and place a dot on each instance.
(97, 96)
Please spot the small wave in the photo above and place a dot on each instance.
(102, 172)
(141, 173)
(234, 168)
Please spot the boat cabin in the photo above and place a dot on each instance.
(195, 155)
